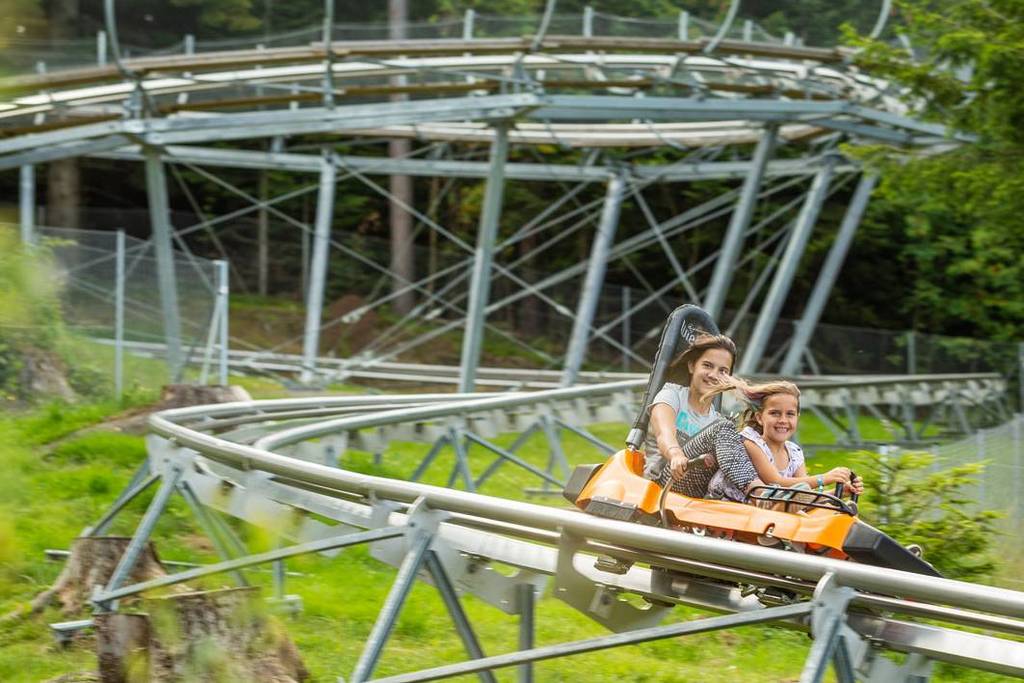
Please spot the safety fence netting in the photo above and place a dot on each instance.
(90, 273)
(998, 487)
(144, 33)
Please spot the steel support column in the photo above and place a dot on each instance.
(525, 593)
(738, 224)
(27, 204)
(328, 33)
(451, 600)
(318, 268)
(119, 277)
(159, 217)
(776, 297)
(829, 272)
(481, 279)
(223, 296)
(595, 278)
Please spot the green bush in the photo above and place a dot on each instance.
(29, 309)
(915, 505)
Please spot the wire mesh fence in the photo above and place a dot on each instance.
(998, 487)
(526, 327)
(23, 54)
(106, 296)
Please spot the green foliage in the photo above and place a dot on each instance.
(914, 504)
(956, 220)
(29, 309)
(24, 16)
(232, 15)
(57, 418)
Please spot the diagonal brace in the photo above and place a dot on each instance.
(342, 541)
(451, 601)
(141, 480)
(605, 642)
(140, 537)
(419, 543)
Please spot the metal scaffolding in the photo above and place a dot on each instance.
(698, 97)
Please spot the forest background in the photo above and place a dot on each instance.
(940, 246)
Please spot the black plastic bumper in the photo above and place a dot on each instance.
(867, 545)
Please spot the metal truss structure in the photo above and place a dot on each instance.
(279, 460)
(691, 102)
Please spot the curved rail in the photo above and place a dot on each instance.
(196, 97)
(258, 457)
(246, 459)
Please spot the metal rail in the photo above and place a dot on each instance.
(257, 473)
(954, 403)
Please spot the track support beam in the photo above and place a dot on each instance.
(481, 280)
(829, 272)
(159, 217)
(318, 268)
(738, 224)
(787, 269)
(596, 267)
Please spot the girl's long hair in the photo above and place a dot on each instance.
(679, 368)
(753, 396)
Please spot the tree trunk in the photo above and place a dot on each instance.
(63, 193)
(402, 256)
(432, 255)
(528, 324)
(63, 182)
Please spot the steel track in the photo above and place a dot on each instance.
(252, 461)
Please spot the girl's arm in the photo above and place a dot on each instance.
(851, 486)
(663, 419)
(770, 476)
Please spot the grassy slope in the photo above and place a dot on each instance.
(48, 495)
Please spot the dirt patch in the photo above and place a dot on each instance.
(347, 329)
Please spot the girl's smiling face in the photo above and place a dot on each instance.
(706, 371)
(779, 417)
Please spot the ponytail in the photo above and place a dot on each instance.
(752, 396)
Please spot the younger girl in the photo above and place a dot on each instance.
(768, 424)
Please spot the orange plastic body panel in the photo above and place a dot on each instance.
(620, 480)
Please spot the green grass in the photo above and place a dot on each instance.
(49, 493)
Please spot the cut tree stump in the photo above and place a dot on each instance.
(209, 635)
(91, 563)
(184, 395)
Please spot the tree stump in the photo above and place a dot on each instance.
(91, 563)
(43, 373)
(184, 395)
(210, 635)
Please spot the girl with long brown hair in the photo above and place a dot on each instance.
(681, 412)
